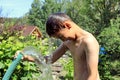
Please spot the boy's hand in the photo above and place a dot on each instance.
(25, 57)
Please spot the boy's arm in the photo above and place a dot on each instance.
(56, 54)
(92, 53)
(59, 52)
(25, 57)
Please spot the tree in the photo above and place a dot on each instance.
(81, 12)
(34, 13)
(105, 11)
(40, 10)
(93, 15)
(110, 38)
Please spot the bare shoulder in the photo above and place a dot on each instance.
(90, 40)
(91, 45)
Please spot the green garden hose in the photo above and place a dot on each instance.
(12, 67)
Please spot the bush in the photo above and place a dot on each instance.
(68, 68)
(8, 47)
(110, 38)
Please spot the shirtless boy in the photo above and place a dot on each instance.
(83, 46)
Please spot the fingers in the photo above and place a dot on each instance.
(24, 57)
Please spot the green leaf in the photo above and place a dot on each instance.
(2, 65)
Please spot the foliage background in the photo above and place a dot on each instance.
(100, 17)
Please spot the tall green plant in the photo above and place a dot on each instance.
(41, 10)
(8, 47)
(35, 13)
(93, 15)
(110, 38)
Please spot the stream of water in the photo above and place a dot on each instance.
(44, 68)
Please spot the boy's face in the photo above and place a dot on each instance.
(64, 34)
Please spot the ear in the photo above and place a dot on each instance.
(67, 24)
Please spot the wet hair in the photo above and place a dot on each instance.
(55, 23)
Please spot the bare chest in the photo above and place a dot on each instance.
(76, 49)
(79, 60)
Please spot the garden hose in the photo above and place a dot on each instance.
(12, 67)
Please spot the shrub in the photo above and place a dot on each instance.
(8, 47)
(110, 38)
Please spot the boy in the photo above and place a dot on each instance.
(83, 46)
